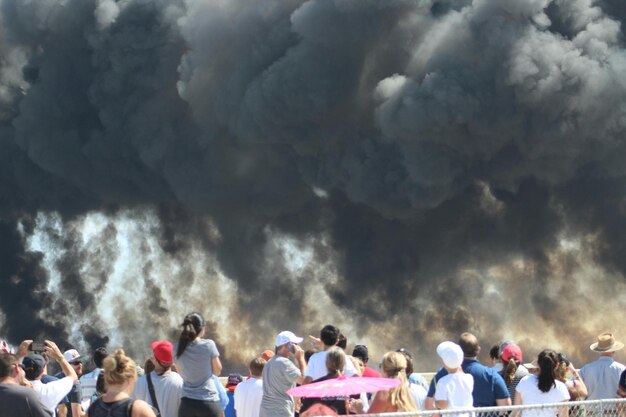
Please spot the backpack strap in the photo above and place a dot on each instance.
(153, 394)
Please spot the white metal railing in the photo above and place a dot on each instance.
(596, 408)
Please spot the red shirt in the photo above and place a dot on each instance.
(369, 372)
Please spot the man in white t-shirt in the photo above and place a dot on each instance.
(168, 385)
(316, 368)
(454, 390)
(248, 394)
(53, 392)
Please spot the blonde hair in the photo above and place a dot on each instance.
(335, 360)
(393, 365)
(118, 368)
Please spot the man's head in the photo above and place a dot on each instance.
(256, 367)
(162, 355)
(469, 344)
(10, 368)
(329, 335)
(33, 366)
(284, 343)
(361, 352)
(98, 356)
(74, 359)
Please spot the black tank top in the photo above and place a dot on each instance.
(121, 408)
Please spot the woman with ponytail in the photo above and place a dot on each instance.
(396, 399)
(120, 375)
(197, 360)
(543, 388)
(512, 372)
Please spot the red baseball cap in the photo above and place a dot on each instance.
(163, 352)
(511, 351)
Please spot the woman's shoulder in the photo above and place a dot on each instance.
(142, 409)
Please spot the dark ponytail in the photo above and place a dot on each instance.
(192, 325)
(508, 373)
(547, 361)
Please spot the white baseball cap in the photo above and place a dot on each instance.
(71, 355)
(451, 354)
(287, 337)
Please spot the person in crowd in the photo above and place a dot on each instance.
(319, 410)
(120, 375)
(454, 390)
(53, 392)
(342, 341)
(16, 399)
(161, 388)
(358, 365)
(316, 367)
(89, 380)
(221, 393)
(575, 385)
(495, 361)
(71, 402)
(267, 355)
(602, 376)
(489, 387)
(280, 374)
(335, 364)
(362, 352)
(417, 390)
(397, 399)
(248, 393)
(197, 360)
(543, 388)
(512, 371)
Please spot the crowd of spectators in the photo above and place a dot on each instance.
(181, 379)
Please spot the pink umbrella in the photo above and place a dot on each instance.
(343, 387)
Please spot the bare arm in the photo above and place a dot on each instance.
(142, 409)
(216, 366)
(429, 403)
(441, 404)
(53, 350)
(302, 366)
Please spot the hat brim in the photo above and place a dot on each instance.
(613, 348)
(531, 365)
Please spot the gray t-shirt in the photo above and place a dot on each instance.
(279, 375)
(195, 366)
(21, 401)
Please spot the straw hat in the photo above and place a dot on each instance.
(606, 343)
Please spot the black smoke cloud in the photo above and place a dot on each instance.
(433, 155)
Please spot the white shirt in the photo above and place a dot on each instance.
(316, 368)
(88, 387)
(456, 389)
(602, 377)
(53, 392)
(168, 389)
(419, 394)
(248, 395)
(531, 394)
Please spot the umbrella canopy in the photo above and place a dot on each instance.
(343, 386)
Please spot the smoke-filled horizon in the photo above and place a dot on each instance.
(406, 169)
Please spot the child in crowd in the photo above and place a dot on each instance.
(454, 390)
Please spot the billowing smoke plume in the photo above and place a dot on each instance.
(406, 169)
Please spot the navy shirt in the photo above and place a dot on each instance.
(488, 384)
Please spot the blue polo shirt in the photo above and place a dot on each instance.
(488, 384)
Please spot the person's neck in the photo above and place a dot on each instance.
(256, 376)
(9, 380)
(473, 358)
(115, 393)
